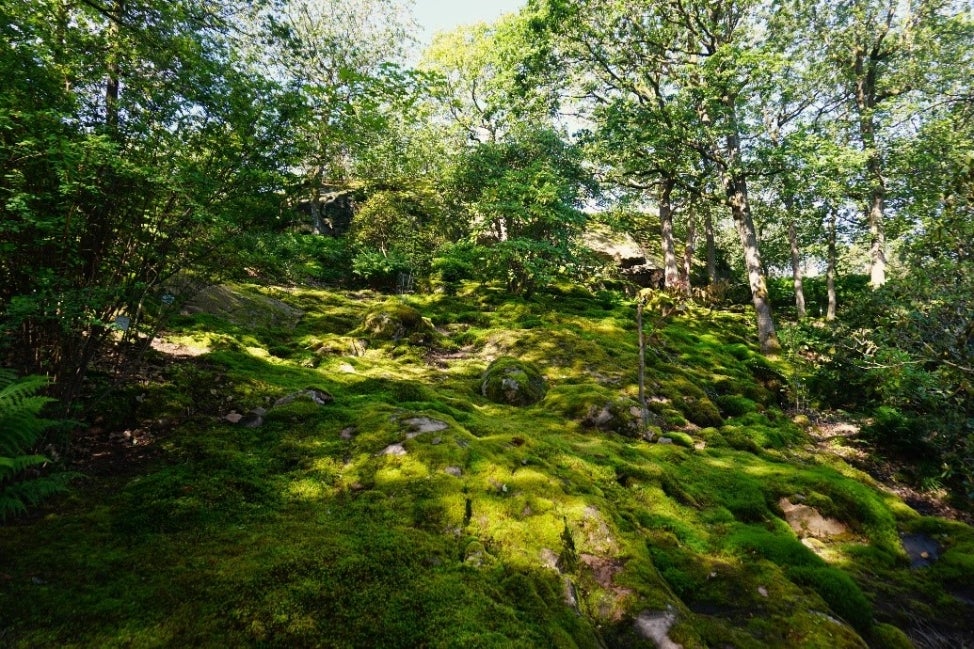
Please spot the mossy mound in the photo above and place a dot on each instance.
(513, 382)
(620, 415)
(243, 308)
(398, 322)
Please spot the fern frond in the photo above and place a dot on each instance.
(16, 392)
(15, 499)
(10, 466)
(20, 427)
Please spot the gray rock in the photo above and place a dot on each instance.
(425, 425)
(922, 550)
(315, 395)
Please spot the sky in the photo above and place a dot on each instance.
(442, 15)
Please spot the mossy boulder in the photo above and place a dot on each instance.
(244, 308)
(513, 382)
(620, 415)
(398, 322)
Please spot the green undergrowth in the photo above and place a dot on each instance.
(344, 525)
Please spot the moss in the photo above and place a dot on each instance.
(304, 529)
(395, 321)
(620, 415)
(513, 382)
(840, 592)
(733, 405)
(681, 439)
(888, 636)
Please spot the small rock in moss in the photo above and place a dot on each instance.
(513, 382)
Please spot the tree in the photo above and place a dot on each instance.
(344, 60)
(122, 170)
(522, 197)
(888, 58)
(489, 88)
(684, 70)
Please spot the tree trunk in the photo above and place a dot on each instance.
(671, 272)
(796, 268)
(735, 187)
(741, 211)
(866, 72)
(830, 273)
(711, 247)
(113, 67)
(688, 251)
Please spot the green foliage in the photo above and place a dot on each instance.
(22, 484)
(288, 258)
(903, 354)
(394, 233)
(454, 263)
(522, 195)
(381, 270)
(133, 148)
(849, 289)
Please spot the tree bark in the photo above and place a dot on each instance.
(735, 188)
(113, 67)
(796, 268)
(688, 251)
(711, 247)
(830, 272)
(671, 272)
(866, 99)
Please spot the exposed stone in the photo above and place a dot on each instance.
(455, 471)
(316, 395)
(922, 550)
(252, 420)
(656, 625)
(425, 425)
(808, 522)
(621, 416)
(234, 417)
(347, 433)
(395, 450)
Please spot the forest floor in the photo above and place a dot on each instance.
(331, 474)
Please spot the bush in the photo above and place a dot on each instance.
(381, 271)
(903, 353)
(453, 264)
(289, 257)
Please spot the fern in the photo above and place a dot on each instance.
(20, 428)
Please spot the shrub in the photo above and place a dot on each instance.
(453, 264)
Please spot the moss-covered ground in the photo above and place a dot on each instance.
(344, 525)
